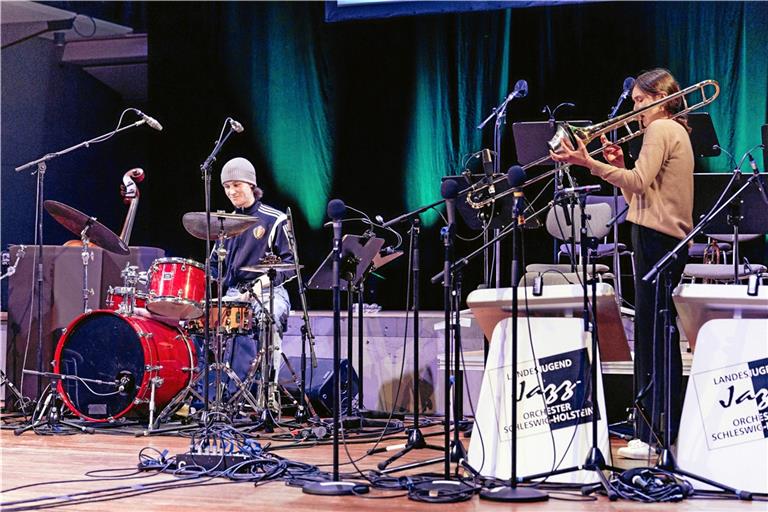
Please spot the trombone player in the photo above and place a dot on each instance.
(659, 191)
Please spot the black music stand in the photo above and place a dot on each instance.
(531, 139)
(703, 136)
(495, 215)
(357, 255)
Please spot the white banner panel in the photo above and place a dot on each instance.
(554, 408)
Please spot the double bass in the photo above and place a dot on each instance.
(129, 191)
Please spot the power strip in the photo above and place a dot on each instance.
(211, 461)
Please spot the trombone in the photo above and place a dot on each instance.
(482, 196)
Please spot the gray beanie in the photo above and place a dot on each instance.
(238, 169)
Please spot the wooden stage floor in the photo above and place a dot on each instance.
(73, 465)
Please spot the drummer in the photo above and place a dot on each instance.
(267, 236)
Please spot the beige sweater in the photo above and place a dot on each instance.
(659, 189)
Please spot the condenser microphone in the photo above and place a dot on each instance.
(151, 121)
(236, 126)
(336, 210)
(758, 178)
(629, 83)
(520, 90)
(586, 189)
(487, 162)
(449, 190)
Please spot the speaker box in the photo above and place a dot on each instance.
(320, 383)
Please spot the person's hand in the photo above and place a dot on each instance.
(612, 153)
(579, 156)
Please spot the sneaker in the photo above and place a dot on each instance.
(636, 449)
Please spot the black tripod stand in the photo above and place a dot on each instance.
(588, 237)
(415, 439)
(49, 413)
(660, 273)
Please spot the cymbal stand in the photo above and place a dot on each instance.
(41, 166)
(86, 256)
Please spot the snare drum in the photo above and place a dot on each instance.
(117, 295)
(130, 353)
(236, 318)
(176, 288)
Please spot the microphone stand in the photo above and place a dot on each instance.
(205, 168)
(306, 329)
(415, 439)
(615, 191)
(500, 112)
(661, 271)
(511, 492)
(336, 487)
(41, 167)
(595, 460)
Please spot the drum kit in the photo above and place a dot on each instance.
(138, 358)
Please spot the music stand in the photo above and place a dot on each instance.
(355, 249)
(703, 136)
(531, 139)
(357, 255)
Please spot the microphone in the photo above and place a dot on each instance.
(487, 162)
(449, 190)
(336, 210)
(758, 178)
(586, 189)
(515, 176)
(236, 126)
(151, 121)
(629, 83)
(520, 90)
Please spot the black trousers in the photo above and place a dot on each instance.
(650, 246)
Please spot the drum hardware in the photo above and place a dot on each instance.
(133, 351)
(231, 224)
(90, 231)
(228, 225)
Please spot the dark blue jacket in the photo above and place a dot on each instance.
(250, 246)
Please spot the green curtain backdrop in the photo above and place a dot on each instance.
(727, 42)
(290, 94)
(458, 66)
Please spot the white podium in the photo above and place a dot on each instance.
(724, 426)
(554, 407)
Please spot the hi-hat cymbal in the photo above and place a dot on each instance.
(277, 267)
(76, 221)
(232, 224)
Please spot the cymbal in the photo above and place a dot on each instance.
(277, 267)
(231, 223)
(75, 221)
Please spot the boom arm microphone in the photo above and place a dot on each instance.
(151, 121)
(236, 126)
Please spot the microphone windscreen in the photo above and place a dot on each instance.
(336, 209)
(449, 189)
(629, 83)
(522, 88)
(515, 176)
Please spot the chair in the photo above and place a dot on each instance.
(720, 273)
(601, 209)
